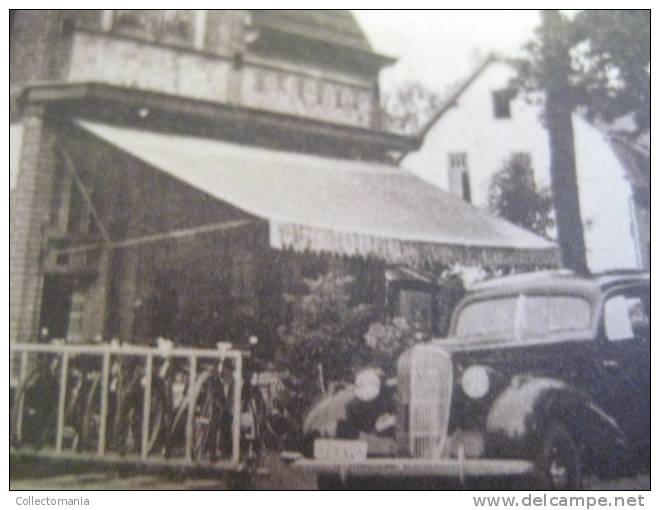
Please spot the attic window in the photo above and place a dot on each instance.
(502, 104)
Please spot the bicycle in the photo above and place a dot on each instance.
(34, 414)
(213, 412)
(127, 401)
(205, 392)
(127, 430)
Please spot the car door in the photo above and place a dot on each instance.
(625, 359)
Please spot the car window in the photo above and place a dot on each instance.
(555, 314)
(626, 315)
(524, 317)
(492, 318)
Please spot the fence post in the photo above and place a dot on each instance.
(146, 411)
(61, 403)
(105, 379)
(236, 423)
(191, 406)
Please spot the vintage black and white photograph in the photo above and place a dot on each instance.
(329, 249)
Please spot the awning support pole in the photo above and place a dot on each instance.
(153, 238)
(71, 167)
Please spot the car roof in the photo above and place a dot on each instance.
(557, 281)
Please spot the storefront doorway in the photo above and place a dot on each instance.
(55, 306)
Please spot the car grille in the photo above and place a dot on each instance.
(425, 380)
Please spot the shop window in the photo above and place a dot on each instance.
(242, 277)
(502, 104)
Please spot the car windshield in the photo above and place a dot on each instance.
(522, 316)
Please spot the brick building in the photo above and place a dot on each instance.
(171, 171)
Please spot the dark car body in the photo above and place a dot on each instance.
(563, 362)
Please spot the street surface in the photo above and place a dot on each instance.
(51, 476)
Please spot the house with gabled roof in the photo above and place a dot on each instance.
(483, 125)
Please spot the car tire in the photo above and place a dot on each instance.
(558, 461)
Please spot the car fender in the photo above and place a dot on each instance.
(519, 414)
(324, 417)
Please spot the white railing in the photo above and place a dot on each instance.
(107, 354)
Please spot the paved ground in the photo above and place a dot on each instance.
(30, 475)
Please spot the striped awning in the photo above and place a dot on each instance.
(330, 205)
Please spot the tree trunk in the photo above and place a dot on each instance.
(558, 111)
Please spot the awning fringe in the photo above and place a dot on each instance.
(302, 238)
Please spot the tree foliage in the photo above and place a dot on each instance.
(409, 107)
(609, 72)
(514, 197)
(612, 64)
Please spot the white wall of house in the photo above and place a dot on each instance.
(470, 127)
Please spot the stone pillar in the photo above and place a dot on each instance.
(130, 257)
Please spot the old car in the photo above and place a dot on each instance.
(544, 376)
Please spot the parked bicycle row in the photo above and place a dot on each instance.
(198, 405)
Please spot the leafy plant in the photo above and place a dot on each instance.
(388, 340)
(324, 341)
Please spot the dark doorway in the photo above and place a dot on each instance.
(55, 306)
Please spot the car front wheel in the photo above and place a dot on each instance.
(559, 460)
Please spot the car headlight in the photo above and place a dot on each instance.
(476, 381)
(367, 384)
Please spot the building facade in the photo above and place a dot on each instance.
(171, 171)
(483, 126)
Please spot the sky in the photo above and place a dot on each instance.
(440, 48)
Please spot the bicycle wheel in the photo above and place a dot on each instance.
(91, 421)
(175, 438)
(276, 431)
(34, 417)
(78, 385)
(271, 431)
(206, 419)
(128, 426)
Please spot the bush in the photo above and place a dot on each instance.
(388, 340)
(324, 341)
